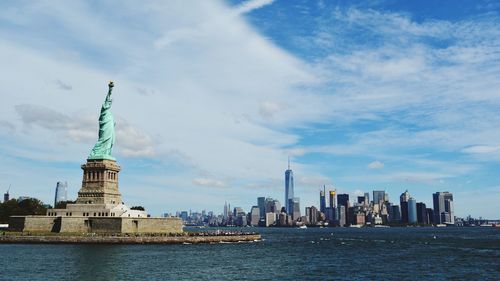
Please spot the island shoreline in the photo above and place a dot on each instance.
(127, 240)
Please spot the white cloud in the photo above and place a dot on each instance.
(376, 165)
(357, 192)
(251, 5)
(133, 142)
(268, 109)
(480, 149)
(313, 181)
(176, 35)
(209, 182)
(418, 177)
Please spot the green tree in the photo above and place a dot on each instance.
(30, 206)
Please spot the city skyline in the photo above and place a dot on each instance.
(379, 96)
(347, 200)
(379, 212)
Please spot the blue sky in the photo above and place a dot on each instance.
(213, 96)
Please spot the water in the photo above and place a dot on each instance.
(285, 254)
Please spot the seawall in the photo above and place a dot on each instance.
(54, 239)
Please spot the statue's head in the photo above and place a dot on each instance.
(111, 84)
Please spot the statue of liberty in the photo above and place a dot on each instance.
(102, 149)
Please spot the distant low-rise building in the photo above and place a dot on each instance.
(377, 220)
(359, 218)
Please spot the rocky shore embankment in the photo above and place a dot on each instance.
(56, 239)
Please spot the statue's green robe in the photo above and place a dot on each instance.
(102, 149)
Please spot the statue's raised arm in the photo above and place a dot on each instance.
(108, 101)
(102, 149)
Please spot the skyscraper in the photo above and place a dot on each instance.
(449, 213)
(61, 192)
(443, 208)
(238, 211)
(312, 215)
(378, 196)
(6, 196)
(226, 210)
(343, 200)
(322, 200)
(367, 198)
(342, 215)
(184, 215)
(430, 215)
(240, 217)
(412, 210)
(294, 208)
(261, 203)
(403, 199)
(331, 215)
(332, 199)
(396, 214)
(272, 206)
(289, 189)
(422, 216)
(255, 215)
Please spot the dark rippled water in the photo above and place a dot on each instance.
(285, 254)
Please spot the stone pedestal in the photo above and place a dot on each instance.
(100, 183)
(98, 209)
